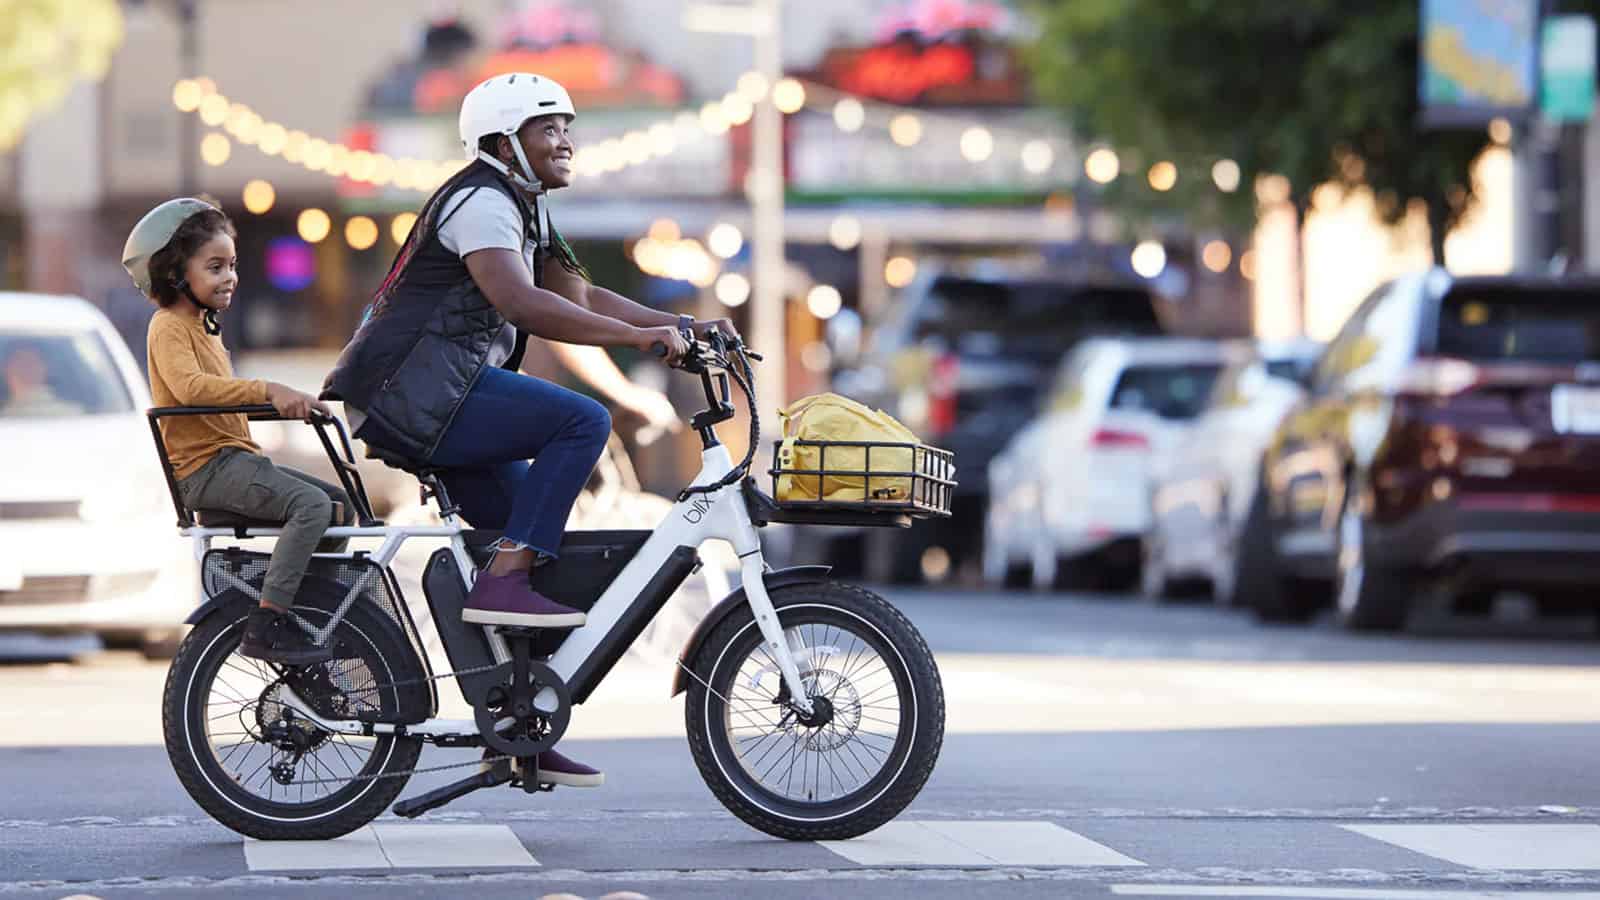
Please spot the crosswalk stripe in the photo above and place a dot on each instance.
(939, 843)
(1286, 892)
(1496, 846)
(396, 847)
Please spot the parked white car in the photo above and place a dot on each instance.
(1203, 492)
(1077, 503)
(87, 540)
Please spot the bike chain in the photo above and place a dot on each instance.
(407, 773)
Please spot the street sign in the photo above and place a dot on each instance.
(1567, 62)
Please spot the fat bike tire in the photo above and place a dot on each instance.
(205, 666)
(860, 650)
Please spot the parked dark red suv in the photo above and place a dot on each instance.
(1452, 430)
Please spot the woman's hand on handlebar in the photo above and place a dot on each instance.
(664, 341)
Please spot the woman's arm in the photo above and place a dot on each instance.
(607, 302)
(505, 281)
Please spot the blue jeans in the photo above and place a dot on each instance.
(506, 420)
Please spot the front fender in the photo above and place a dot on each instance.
(777, 578)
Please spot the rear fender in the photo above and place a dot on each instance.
(776, 579)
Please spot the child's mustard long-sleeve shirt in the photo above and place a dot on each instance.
(191, 368)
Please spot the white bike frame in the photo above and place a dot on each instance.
(716, 515)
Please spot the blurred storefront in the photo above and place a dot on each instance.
(910, 131)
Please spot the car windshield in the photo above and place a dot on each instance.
(1502, 325)
(1030, 316)
(1169, 391)
(58, 374)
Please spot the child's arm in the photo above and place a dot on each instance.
(172, 355)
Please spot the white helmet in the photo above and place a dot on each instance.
(500, 106)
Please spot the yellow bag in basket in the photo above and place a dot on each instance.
(830, 417)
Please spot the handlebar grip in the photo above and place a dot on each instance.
(659, 349)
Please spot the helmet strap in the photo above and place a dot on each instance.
(209, 315)
(533, 186)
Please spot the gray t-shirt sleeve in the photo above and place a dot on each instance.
(480, 220)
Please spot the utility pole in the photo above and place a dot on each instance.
(762, 22)
(189, 127)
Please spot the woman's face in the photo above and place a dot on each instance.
(213, 272)
(548, 144)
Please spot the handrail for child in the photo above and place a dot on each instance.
(344, 465)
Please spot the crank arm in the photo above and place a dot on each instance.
(438, 797)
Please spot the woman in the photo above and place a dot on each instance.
(432, 371)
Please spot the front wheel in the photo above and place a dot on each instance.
(876, 726)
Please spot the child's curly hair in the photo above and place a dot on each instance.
(168, 264)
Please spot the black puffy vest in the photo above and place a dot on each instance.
(430, 332)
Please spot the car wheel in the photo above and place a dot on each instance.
(1152, 576)
(1366, 597)
(1257, 581)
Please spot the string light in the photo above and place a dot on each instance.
(905, 129)
(313, 225)
(844, 232)
(1037, 156)
(849, 114)
(400, 228)
(752, 86)
(215, 149)
(725, 240)
(899, 271)
(1163, 175)
(259, 197)
(1102, 165)
(732, 289)
(1149, 258)
(1225, 174)
(1216, 255)
(360, 232)
(977, 144)
(824, 301)
(789, 96)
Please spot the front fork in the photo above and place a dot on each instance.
(785, 648)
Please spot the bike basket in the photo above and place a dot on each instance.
(863, 476)
(230, 568)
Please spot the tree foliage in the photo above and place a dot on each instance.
(45, 46)
(1316, 90)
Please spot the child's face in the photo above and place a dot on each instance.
(213, 272)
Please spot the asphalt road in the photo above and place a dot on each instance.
(1097, 747)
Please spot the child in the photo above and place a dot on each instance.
(181, 256)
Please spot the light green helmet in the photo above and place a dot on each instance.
(152, 233)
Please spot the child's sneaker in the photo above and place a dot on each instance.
(271, 636)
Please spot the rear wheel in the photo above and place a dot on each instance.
(256, 766)
(876, 727)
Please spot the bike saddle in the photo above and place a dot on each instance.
(400, 461)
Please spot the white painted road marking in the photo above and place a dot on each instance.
(1496, 846)
(1336, 893)
(396, 847)
(913, 843)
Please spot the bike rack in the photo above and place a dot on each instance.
(344, 465)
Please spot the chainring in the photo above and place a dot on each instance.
(529, 735)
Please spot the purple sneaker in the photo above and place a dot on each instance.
(508, 600)
(555, 768)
